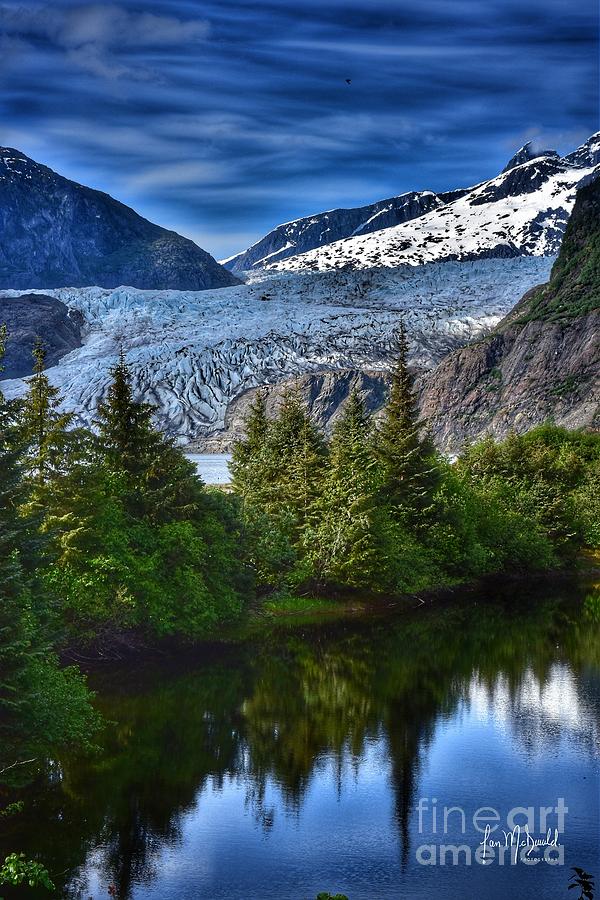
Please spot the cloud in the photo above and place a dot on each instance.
(113, 26)
(95, 37)
(174, 175)
(100, 25)
(227, 121)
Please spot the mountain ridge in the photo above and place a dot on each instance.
(55, 232)
(431, 227)
(541, 362)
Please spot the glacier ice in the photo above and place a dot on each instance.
(191, 353)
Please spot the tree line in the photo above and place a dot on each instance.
(377, 508)
(108, 530)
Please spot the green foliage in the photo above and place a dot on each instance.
(407, 459)
(584, 882)
(41, 705)
(277, 472)
(380, 511)
(326, 896)
(114, 531)
(13, 809)
(343, 541)
(44, 425)
(139, 541)
(546, 478)
(574, 286)
(17, 871)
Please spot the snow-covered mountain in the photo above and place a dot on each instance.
(305, 234)
(521, 212)
(452, 269)
(191, 353)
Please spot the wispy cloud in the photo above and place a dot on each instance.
(226, 117)
(93, 36)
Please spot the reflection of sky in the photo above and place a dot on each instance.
(539, 711)
(222, 118)
(344, 835)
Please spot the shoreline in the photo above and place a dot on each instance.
(114, 646)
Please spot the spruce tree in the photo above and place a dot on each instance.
(407, 459)
(15, 645)
(250, 463)
(127, 437)
(278, 472)
(160, 483)
(298, 457)
(257, 424)
(345, 542)
(44, 424)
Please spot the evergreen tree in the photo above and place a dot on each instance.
(345, 542)
(45, 426)
(298, 456)
(251, 464)
(257, 424)
(161, 484)
(128, 439)
(167, 553)
(278, 471)
(407, 459)
(15, 646)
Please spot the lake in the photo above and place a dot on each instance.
(212, 467)
(321, 755)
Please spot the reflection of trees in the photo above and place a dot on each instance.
(279, 710)
(305, 703)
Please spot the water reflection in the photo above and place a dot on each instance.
(199, 772)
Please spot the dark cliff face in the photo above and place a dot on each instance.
(542, 362)
(522, 180)
(31, 315)
(56, 233)
(324, 393)
(526, 154)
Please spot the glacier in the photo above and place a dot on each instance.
(192, 352)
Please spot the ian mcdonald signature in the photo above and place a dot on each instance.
(515, 839)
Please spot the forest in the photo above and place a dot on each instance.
(110, 531)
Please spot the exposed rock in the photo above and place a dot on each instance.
(309, 232)
(191, 354)
(525, 154)
(520, 377)
(542, 362)
(523, 211)
(588, 154)
(521, 180)
(29, 316)
(325, 394)
(56, 233)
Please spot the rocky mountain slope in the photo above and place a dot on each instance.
(198, 356)
(29, 316)
(523, 211)
(54, 232)
(192, 353)
(541, 362)
(324, 394)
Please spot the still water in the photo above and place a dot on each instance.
(213, 468)
(312, 758)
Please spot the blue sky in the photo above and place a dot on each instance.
(221, 119)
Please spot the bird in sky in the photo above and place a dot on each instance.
(348, 81)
